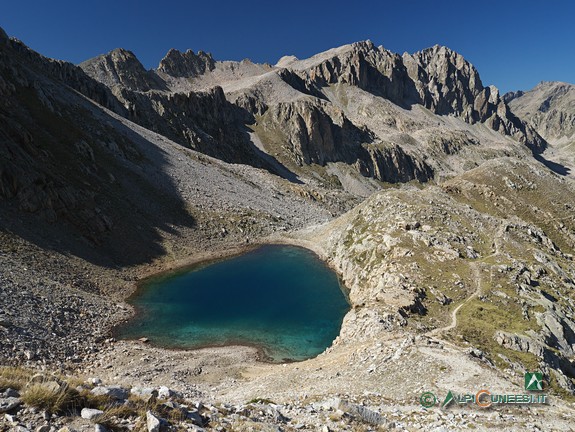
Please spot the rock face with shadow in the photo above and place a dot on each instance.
(18, 58)
(366, 66)
(66, 163)
(204, 121)
(449, 85)
(316, 132)
(437, 78)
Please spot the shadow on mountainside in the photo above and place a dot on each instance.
(75, 180)
(553, 166)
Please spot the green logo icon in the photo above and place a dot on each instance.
(427, 400)
(534, 381)
(448, 399)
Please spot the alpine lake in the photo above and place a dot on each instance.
(281, 299)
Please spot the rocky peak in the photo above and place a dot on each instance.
(364, 65)
(549, 107)
(126, 58)
(122, 68)
(285, 61)
(446, 82)
(365, 45)
(509, 96)
(186, 65)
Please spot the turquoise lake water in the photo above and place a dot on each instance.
(281, 299)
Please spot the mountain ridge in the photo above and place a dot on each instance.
(436, 78)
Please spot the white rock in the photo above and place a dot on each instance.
(114, 392)
(90, 413)
(165, 393)
(152, 422)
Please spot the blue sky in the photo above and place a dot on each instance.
(513, 44)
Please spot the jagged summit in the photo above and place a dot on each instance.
(187, 64)
(121, 67)
(311, 105)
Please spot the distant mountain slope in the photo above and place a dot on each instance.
(549, 108)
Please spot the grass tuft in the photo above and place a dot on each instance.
(50, 397)
(14, 377)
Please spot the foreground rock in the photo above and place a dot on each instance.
(91, 414)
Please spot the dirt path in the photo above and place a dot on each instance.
(477, 274)
(476, 270)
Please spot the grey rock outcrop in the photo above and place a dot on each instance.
(113, 392)
(314, 132)
(311, 131)
(8, 404)
(448, 84)
(120, 67)
(390, 163)
(187, 64)
(519, 343)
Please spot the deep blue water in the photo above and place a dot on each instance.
(282, 299)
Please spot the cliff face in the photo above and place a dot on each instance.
(203, 121)
(315, 132)
(373, 69)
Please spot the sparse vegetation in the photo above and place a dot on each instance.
(14, 377)
(52, 397)
(261, 401)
